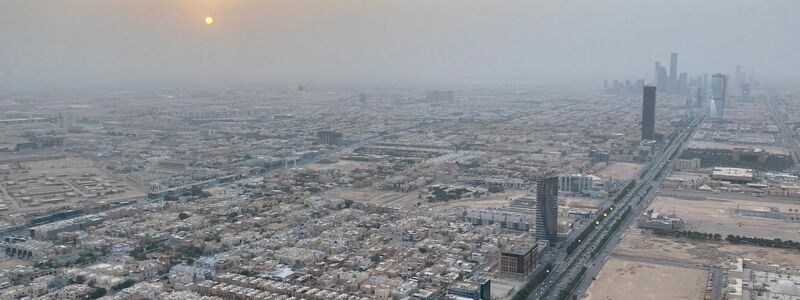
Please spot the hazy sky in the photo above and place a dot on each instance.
(130, 42)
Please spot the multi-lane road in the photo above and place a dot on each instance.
(786, 134)
(593, 251)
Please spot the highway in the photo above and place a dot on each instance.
(568, 267)
(786, 134)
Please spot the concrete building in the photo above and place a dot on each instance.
(772, 213)
(49, 231)
(687, 164)
(520, 258)
(719, 86)
(749, 154)
(735, 175)
(654, 220)
(505, 219)
(661, 76)
(66, 119)
(547, 209)
(649, 113)
(673, 68)
(576, 183)
(330, 137)
(480, 290)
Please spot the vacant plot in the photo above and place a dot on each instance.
(342, 165)
(496, 200)
(620, 170)
(366, 195)
(715, 213)
(504, 287)
(637, 243)
(582, 202)
(622, 280)
(67, 166)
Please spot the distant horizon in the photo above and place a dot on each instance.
(94, 43)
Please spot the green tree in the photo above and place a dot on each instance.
(123, 285)
(97, 293)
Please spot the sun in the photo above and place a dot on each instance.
(209, 20)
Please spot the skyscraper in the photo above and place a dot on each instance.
(547, 209)
(683, 83)
(673, 67)
(699, 101)
(649, 113)
(719, 86)
(661, 76)
(739, 79)
(66, 119)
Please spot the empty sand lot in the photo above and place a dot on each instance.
(627, 280)
(342, 165)
(495, 200)
(643, 244)
(368, 195)
(620, 170)
(715, 213)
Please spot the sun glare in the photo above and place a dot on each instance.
(209, 20)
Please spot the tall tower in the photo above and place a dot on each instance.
(719, 86)
(661, 76)
(699, 102)
(649, 113)
(673, 67)
(547, 209)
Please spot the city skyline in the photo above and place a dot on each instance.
(399, 150)
(162, 45)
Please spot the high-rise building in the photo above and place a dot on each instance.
(362, 97)
(745, 90)
(699, 101)
(683, 83)
(673, 67)
(576, 183)
(547, 209)
(649, 113)
(329, 137)
(719, 86)
(656, 70)
(739, 79)
(66, 119)
(661, 76)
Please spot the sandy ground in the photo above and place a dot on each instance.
(716, 215)
(623, 280)
(582, 202)
(620, 170)
(378, 197)
(70, 165)
(695, 144)
(496, 200)
(501, 285)
(9, 263)
(366, 195)
(637, 243)
(342, 165)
